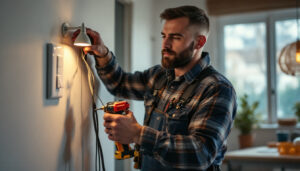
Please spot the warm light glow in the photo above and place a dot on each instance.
(298, 57)
(82, 44)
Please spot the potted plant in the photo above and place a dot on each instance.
(245, 120)
(297, 110)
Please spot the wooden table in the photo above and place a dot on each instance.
(261, 156)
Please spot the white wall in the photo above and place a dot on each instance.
(37, 133)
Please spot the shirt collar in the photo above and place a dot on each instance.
(192, 74)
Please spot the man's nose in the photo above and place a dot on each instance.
(166, 44)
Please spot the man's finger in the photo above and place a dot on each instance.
(108, 131)
(110, 117)
(129, 113)
(94, 36)
(93, 50)
(111, 137)
(107, 124)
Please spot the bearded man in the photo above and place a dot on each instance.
(190, 107)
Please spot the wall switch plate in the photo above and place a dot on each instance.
(55, 63)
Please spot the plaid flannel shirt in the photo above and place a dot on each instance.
(211, 110)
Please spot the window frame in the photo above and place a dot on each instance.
(269, 18)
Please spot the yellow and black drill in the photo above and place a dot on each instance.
(123, 151)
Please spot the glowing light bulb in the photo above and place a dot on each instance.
(298, 57)
(82, 44)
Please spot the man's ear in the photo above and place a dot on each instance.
(201, 40)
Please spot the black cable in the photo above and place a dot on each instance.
(99, 150)
(97, 138)
(96, 133)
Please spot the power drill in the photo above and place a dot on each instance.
(123, 151)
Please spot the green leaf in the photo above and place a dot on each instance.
(247, 117)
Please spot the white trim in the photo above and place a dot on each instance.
(271, 71)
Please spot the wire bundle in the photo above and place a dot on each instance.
(99, 159)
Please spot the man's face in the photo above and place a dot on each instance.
(177, 43)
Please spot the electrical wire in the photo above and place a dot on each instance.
(91, 79)
(99, 150)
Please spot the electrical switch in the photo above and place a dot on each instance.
(59, 82)
(59, 72)
(55, 63)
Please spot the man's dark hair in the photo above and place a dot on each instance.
(196, 15)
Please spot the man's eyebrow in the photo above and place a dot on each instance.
(173, 34)
(176, 34)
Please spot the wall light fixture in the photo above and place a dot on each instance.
(82, 38)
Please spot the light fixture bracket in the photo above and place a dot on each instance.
(65, 27)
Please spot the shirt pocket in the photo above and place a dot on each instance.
(178, 122)
(158, 120)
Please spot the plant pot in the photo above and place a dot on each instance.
(246, 140)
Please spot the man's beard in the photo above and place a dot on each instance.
(180, 60)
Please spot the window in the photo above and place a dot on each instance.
(245, 60)
(288, 87)
(251, 44)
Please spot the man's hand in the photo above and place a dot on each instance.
(122, 128)
(98, 48)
